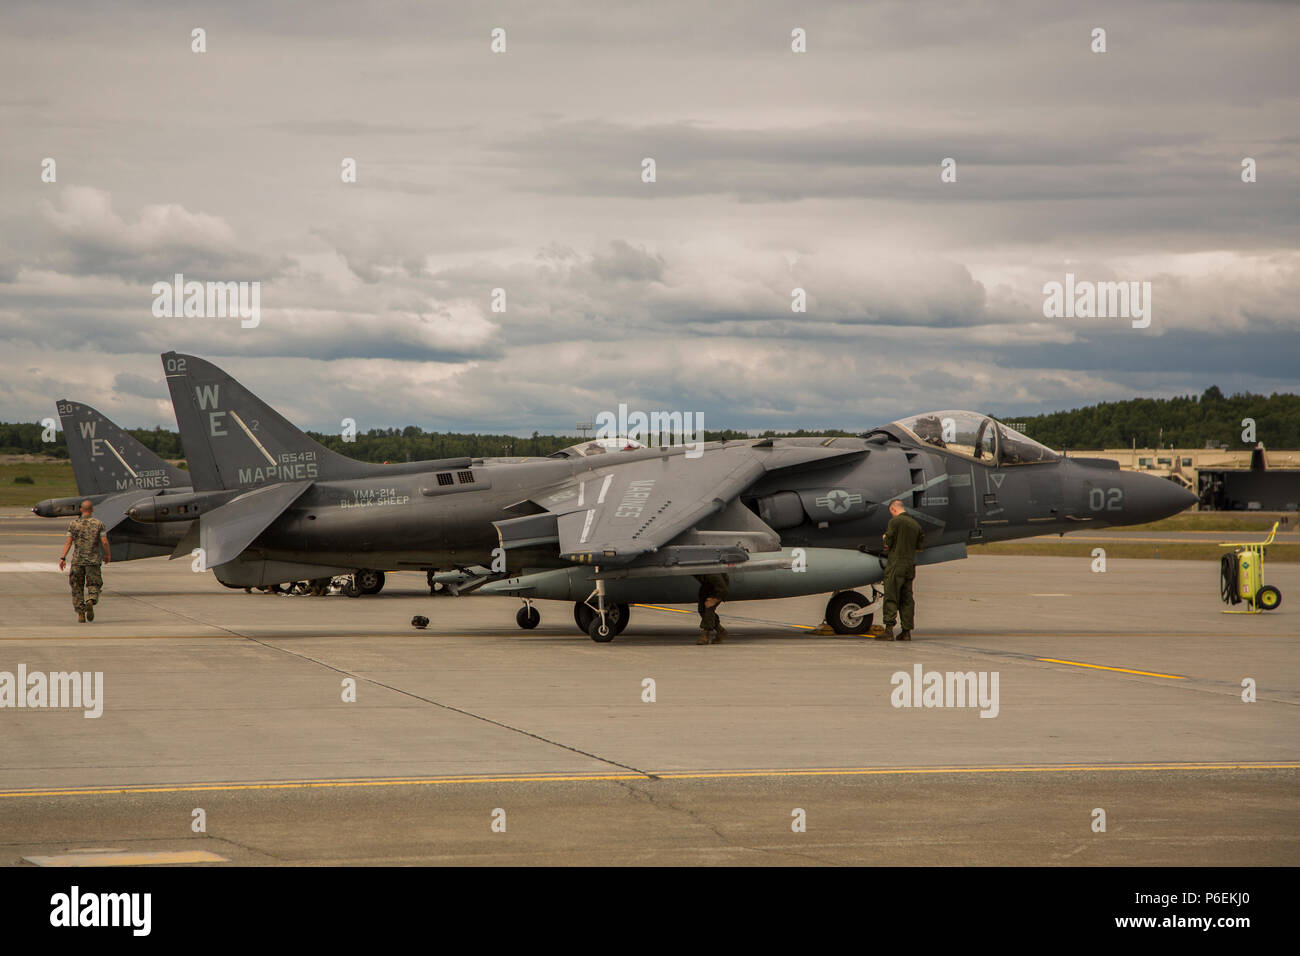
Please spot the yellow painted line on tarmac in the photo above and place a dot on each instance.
(354, 782)
(144, 858)
(903, 771)
(84, 636)
(1100, 667)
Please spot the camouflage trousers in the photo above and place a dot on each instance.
(708, 616)
(898, 596)
(89, 577)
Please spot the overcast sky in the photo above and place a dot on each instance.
(522, 170)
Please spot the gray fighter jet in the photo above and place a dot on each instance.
(606, 528)
(967, 478)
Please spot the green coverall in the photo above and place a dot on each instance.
(903, 538)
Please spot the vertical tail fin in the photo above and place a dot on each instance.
(107, 459)
(233, 439)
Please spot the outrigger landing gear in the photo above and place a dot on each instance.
(527, 616)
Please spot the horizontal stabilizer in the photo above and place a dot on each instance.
(112, 510)
(225, 532)
(189, 541)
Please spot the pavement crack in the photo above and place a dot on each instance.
(660, 802)
(406, 693)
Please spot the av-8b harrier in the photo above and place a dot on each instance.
(605, 529)
(113, 469)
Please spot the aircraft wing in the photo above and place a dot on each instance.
(226, 531)
(624, 511)
(620, 513)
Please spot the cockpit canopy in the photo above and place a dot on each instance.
(975, 436)
(599, 446)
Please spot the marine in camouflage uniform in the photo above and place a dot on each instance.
(84, 539)
(711, 586)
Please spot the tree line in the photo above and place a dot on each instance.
(1186, 421)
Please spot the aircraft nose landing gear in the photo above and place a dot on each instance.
(846, 612)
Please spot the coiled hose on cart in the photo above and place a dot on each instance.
(1228, 589)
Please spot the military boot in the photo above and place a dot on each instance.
(90, 611)
(719, 633)
(81, 617)
(886, 633)
(905, 634)
(704, 637)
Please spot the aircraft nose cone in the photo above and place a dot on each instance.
(1148, 498)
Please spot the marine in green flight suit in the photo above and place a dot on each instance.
(903, 538)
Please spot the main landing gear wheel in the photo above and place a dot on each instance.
(1268, 597)
(615, 614)
(369, 581)
(527, 617)
(847, 613)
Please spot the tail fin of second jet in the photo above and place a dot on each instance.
(107, 459)
(233, 439)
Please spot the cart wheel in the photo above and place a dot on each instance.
(1268, 597)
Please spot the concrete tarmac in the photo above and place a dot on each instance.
(1119, 691)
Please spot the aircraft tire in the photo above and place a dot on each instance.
(528, 618)
(369, 581)
(583, 616)
(600, 632)
(840, 610)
